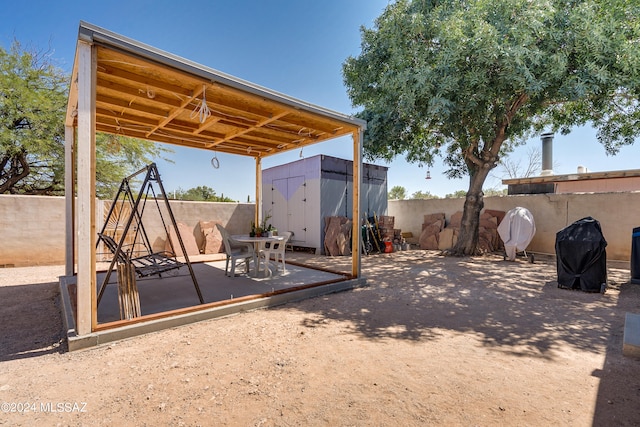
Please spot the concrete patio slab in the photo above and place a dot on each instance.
(172, 300)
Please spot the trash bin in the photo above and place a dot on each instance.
(635, 256)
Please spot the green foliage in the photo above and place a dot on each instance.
(397, 192)
(489, 192)
(423, 195)
(461, 78)
(32, 107)
(467, 80)
(201, 193)
(33, 101)
(460, 194)
(492, 192)
(118, 157)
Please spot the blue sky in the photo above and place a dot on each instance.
(296, 47)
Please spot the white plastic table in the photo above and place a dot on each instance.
(258, 243)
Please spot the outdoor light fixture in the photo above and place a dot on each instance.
(428, 174)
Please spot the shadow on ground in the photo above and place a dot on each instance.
(415, 294)
(511, 307)
(31, 321)
(619, 379)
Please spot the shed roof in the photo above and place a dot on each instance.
(146, 93)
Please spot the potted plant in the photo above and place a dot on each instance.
(264, 227)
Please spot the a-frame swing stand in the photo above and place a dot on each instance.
(149, 263)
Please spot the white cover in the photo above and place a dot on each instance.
(516, 231)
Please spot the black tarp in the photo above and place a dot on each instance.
(581, 256)
(635, 256)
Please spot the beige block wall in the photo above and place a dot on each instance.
(236, 217)
(32, 228)
(618, 214)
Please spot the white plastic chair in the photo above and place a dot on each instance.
(236, 251)
(276, 249)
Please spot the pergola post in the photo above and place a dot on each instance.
(86, 205)
(258, 214)
(357, 179)
(69, 199)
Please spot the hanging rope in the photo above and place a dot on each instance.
(202, 111)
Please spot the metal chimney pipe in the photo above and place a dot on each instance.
(547, 154)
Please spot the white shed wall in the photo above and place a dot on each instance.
(299, 195)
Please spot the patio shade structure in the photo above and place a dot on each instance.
(124, 87)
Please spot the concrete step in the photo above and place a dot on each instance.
(631, 339)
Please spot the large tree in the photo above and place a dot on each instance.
(32, 106)
(119, 156)
(467, 80)
(33, 100)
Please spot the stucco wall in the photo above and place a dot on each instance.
(236, 217)
(618, 214)
(32, 228)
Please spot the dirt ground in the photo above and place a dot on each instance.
(430, 341)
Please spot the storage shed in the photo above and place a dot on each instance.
(301, 194)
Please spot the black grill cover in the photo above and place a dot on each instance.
(581, 256)
(635, 256)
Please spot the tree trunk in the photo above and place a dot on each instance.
(14, 169)
(467, 243)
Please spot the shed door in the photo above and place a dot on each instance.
(296, 208)
(279, 203)
(289, 210)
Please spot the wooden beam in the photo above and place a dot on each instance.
(86, 219)
(143, 80)
(239, 120)
(207, 124)
(72, 101)
(250, 128)
(258, 213)
(122, 105)
(356, 270)
(176, 111)
(110, 116)
(69, 198)
(135, 92)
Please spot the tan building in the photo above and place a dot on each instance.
(580, 182)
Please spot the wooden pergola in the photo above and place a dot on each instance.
(124, 87)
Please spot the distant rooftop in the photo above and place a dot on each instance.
(592, 182)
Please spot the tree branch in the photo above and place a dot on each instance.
(18, 170)
(469, 154)
(501, 128)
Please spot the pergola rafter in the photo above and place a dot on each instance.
(140, 96)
